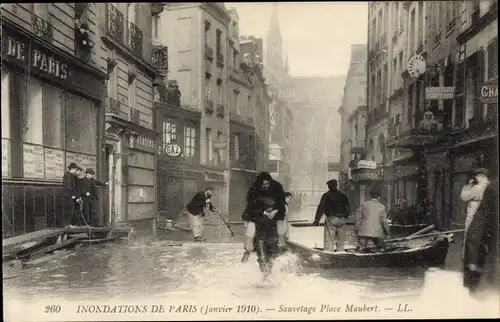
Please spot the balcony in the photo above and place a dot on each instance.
(115, 23)
(220, 111)
(134, 116)
(209, 53)
(220, 60)
(135, 39)
(413, 138)
(209, 107)
(437, 39)
(116, 108)
(420, 48)
(42, 28)
(159, 57)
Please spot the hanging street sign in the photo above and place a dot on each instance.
(439, 93)
(366, 164)
(488, 93)
(173, 150)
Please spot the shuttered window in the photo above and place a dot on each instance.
(492, 64)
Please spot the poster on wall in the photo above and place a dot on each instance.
(5, 158)
(54, 164)
(33, 156)
(84, 161)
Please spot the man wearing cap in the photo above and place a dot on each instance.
(196, 209)
(481, 249)
(70, 187)
(89, 195)
(335, 205)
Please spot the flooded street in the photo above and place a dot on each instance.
(155, 272)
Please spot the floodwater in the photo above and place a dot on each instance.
(211, 275)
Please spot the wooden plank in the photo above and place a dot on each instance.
(63, 244)
(95, 241)
(30, 239)
(41, 260)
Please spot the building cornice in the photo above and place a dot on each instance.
(219, 12)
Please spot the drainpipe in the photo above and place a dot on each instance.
(155, 182)
(112, 192)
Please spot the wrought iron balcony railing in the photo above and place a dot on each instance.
(209, 52)
(209, 106)
(135, 38)
(220, 60)
(42, 28)
(159, 57)
(115, 22)
(220, 111)
(117, 108)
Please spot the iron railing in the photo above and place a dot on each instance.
(220, 60)
(159, 57)
(116, 108)
(209, 106)
(220, 110)
(42, 28)
(209, 52)
(115, 22)
(135, 38)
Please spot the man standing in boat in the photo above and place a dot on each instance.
(335, 205)
(481, 242)
(371, 222)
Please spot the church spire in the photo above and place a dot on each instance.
(286, 67)
(274, 26)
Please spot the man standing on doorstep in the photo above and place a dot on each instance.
(89, 197)
(335, 205)
(197, 208)
(70, 186)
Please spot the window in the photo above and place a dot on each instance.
(189, 143)
(236, 142)
(208, 87)
(218, 41)
(207, 33)
(412, 31)
(420, 30)
(5, 124)
(220, 155)
(208, 140)
(400, 70)
(156, 23)
(236, 99)
(249, 101)
(219, 91)
(235, 59)
(81, 124)
(169, 133)
(53, 108)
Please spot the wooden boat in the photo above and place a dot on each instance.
(425, 250)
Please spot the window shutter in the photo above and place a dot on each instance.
(492, 63)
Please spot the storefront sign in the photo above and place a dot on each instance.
(365, 164)
(33, 55)
(489, 93)
(439, 93)
(173, 150)
(33, 161)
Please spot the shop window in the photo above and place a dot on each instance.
(53, 103)
(189, 143)
(5, 124)
(81, 124)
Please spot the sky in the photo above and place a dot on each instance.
(317, 36)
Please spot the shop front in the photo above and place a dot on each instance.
(180, 174)
(51, 116)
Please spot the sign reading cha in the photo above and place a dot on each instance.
(489, 93)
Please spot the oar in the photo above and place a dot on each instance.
(425, 235)
(225, 222)
(426, 229)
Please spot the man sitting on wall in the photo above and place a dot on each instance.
(197, 208)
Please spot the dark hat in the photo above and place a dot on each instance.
(481, 171)
(264, 176)
(267, 202)
(89, 171)
(72, 165)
